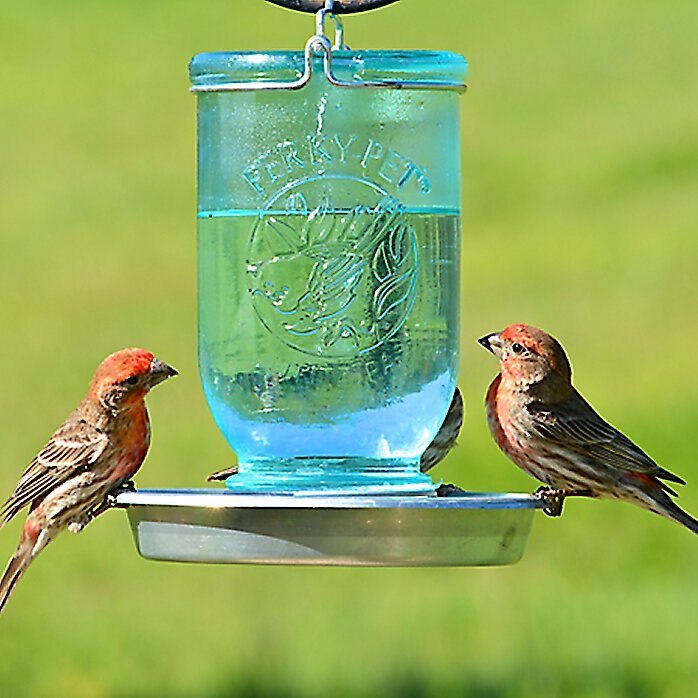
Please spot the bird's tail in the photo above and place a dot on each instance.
(13, 573)
(676, 513)
(34, 538)
(663, 504)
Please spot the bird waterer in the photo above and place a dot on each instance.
(329, 258)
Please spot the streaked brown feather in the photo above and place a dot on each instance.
(575, 425)
(75, 445)
(447, 435)
(13, 573)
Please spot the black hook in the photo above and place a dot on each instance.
(341, 7)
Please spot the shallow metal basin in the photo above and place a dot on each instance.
(207, 525)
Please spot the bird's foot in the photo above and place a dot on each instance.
(128, 486)
(448, 491)
(110, 501)
(555, 498)
(223, 474)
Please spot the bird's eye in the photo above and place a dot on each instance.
(518, 348)
(132, 380)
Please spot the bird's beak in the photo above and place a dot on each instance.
(491, 342)
(160, 371)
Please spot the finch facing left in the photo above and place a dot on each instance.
(542, 423)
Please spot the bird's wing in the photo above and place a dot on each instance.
(575, 425)
(76, 445)
(447, 435)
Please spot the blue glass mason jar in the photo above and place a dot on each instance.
(329, 257)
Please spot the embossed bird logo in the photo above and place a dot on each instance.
(315, 272)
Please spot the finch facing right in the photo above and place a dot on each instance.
(551, 432)
(91, 456)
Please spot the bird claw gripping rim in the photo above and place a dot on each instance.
(554, 499)
(111, 501)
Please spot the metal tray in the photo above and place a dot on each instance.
(214, 526)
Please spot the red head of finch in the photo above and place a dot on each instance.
(549, 430)
(92, 454)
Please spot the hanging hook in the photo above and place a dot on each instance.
(319, 43)
(339, 7)
(320, 15)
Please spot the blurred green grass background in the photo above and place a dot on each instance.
(580, 157)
